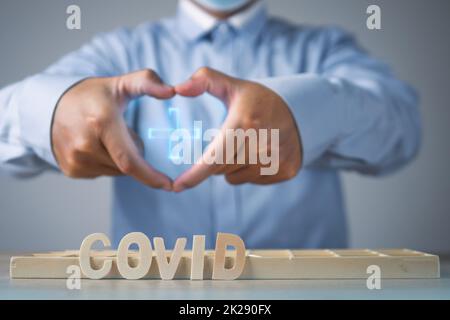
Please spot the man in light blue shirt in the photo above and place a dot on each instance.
(336, 108)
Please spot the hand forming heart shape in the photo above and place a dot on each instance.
(252, 108)
(90, 137)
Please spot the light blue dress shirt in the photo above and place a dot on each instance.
(352, 113)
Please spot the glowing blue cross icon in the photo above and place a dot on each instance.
(166, 133)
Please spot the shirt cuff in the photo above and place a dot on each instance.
(37, 103)
(318, 107)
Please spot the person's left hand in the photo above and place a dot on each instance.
(250, 106)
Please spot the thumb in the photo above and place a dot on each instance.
(208, 80)
(144, 82)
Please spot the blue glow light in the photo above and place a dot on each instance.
(166, 133)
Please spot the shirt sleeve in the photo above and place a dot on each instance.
(352, 113)
(27, 107)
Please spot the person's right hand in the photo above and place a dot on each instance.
(90, 137)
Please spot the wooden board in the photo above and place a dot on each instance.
(259, 264)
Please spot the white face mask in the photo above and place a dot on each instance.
(222, 5)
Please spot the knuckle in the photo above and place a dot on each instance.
(72, 160)
(71, 172)
(81, 146)
(98, 121)
(253, 122)
(151, 74)
(124, 163)
(203, 72)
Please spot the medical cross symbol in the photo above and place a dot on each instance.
(167, 133)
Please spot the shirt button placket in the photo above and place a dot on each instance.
(223, 193)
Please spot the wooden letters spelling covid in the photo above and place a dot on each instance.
(167, 268)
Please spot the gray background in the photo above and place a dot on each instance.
(408, 209)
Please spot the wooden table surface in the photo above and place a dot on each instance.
(225, 290)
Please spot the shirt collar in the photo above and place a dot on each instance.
(194, 22)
